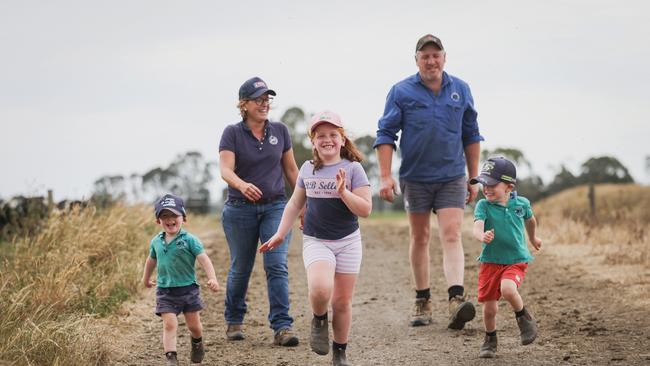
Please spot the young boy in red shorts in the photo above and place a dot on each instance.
(499, 223)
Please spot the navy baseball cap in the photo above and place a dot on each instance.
(495, 170)
(253, 88)
(170, 202)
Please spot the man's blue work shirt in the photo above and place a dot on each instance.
(435, 128)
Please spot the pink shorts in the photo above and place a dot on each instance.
(490, 276)
(344, 253)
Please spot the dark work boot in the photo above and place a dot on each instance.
(319, 340)
(338, 357)
(460, 312)
(527, 327)
(489, 347)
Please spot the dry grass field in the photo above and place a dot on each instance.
(72, 294)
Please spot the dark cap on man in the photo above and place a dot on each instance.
(253, 88)
(495, 170)
(426, 39)
(170, 202)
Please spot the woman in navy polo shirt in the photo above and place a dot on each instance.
(255, 156)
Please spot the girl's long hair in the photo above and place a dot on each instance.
(348, 151)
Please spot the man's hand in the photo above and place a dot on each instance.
(472, 192)
(388, 188)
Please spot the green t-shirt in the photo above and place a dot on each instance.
(509, 245)
(175, 260)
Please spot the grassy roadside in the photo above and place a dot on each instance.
(55, 285)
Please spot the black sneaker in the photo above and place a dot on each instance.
(489, 347)
(319, 340)
(460, 312)
(527, 327)
(197, 352)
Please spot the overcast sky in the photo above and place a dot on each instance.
(90, 88)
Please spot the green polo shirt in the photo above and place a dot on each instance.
(509, 245)
(175, 260)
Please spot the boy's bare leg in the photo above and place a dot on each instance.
(511, 295)
(490, 315)
(193, 321)
(170, 326)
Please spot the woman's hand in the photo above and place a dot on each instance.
(250, 191)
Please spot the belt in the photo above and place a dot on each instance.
(261, 201)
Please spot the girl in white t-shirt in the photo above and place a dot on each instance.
(336, 191)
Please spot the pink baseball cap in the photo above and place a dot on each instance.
(324, 117)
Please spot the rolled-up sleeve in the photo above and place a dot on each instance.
(471, 132)
(391, 122)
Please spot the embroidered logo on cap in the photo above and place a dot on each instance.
(259, 84)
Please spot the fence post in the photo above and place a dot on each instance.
(592, 199)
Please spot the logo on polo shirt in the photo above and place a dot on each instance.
(455, 97)
(519, 211)
(273, 140)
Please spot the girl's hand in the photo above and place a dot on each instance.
(488, 236)
(271, 243)
(340, 181)
(537, 243)
(213, 284)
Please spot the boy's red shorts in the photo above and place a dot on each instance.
(491, 274)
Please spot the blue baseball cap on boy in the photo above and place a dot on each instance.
(495, 170)
(253, 88)
(170, 202)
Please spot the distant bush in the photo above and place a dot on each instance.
(22, 216)
(81, 265)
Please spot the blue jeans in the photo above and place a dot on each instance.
(245, 226)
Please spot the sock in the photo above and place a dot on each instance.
(321, 317)
(196, 340)
(521, 312)
(455, 290)
(492, 333)
(170, 354)
(423, 294)
(339, 346)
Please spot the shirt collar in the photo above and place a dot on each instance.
(446, 80)
(182, 232)
(246, 128)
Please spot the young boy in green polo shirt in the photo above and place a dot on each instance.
(499, 223)
(173, 252)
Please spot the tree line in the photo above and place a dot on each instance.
(193, 177)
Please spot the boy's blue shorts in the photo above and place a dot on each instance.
(184, 299)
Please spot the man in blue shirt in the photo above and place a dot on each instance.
(439, 138)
